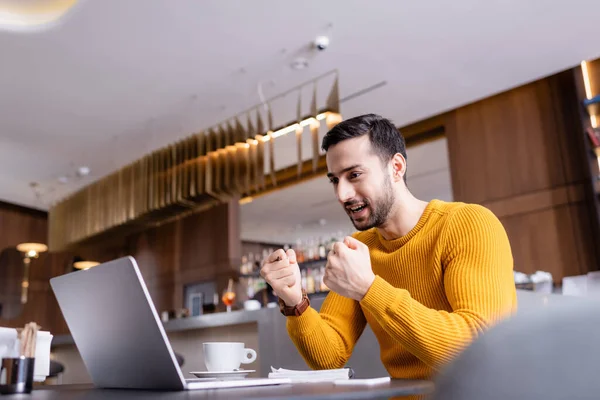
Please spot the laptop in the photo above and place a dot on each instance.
(118, 332)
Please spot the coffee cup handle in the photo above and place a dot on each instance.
(249, 357)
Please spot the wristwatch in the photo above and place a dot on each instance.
(296, 310)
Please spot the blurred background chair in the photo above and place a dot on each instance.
(56, 370)
(547, 353)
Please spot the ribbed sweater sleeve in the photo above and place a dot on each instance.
(326, 339)
(478, 283)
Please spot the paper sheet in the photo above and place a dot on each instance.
(366, 382)
(327, 375)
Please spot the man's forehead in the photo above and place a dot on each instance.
(349, 154)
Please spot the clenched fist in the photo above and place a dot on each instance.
(281, 271)
(348, 271)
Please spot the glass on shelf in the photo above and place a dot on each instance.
(244, 267)
(229, 295)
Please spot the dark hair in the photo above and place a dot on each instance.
(385, 138)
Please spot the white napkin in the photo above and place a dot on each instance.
(325, 375)
(10, 347)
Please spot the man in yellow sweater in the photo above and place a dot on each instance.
(427, 277)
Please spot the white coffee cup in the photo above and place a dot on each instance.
(226, 356)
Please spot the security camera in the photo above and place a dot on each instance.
(321, 43)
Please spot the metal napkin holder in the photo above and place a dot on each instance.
(16, 375)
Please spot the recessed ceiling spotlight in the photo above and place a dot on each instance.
(63, 179)
(83, 171)
(299, 63)
(321, 43)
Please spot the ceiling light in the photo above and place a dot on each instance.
(586, 80)
(24, 15)
(321, 43)
(32, 249)
(588, 90)
(245, 200)
(83, 171)
(85, 264)
(328, 116)
(63, 179)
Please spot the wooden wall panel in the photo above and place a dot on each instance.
(511, 144)
(521, 154)
(545, 240)
(18, 225)
(200, 247)
(11, 278)
(204, 246)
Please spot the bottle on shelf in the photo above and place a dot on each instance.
(250, 288)
(303, 279)
(251, 266)
(310, 281)
(322, 249)
(299, 252)
(310, 250)
(318, 279)
(323, 287)
(244, 265)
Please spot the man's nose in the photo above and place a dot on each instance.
(344, 192)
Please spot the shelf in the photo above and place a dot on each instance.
(317, 294)
(312, 263)
(256, 275)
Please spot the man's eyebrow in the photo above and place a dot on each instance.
(331, 174)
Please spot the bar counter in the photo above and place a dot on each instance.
(205, 321)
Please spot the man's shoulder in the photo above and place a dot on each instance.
(470, 218)
(457, 210)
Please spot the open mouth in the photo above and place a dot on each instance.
(356, 209)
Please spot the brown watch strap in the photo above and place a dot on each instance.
(297, 310)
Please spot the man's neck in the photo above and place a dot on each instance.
(405, 216)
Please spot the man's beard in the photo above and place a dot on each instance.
(379, 210)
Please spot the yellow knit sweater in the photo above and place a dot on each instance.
(436, 288)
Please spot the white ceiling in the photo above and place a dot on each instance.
(310, 211)
(117, 79)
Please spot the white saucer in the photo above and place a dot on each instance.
(223, 375)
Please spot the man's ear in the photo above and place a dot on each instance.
(398, 164)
